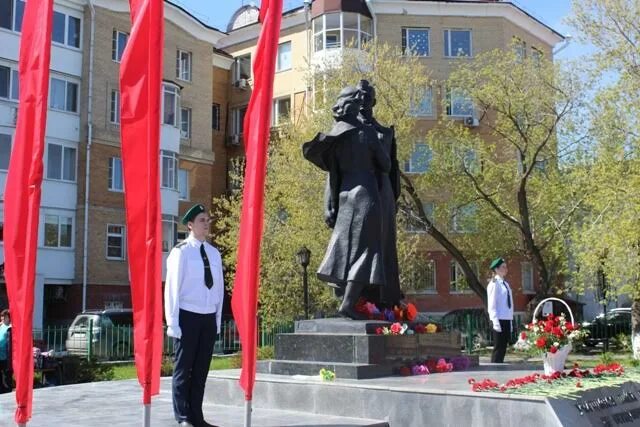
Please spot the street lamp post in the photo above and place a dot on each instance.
(603, 288)
(303, 256)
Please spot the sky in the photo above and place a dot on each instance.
(552, 12)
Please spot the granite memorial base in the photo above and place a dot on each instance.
(351, 349)
(433, 400)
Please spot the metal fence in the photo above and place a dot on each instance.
(116, 342)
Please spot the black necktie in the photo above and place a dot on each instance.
(504, 283)
(208, 278)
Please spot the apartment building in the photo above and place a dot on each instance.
(82, 248)
(443, 33)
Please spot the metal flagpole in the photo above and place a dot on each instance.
(146, 416)
(247, 413)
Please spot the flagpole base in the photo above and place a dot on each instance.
(22, 424)
(146, 416)
(247, 413)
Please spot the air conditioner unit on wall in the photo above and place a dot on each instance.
(471, 121)
(241, 84)
(14, 115)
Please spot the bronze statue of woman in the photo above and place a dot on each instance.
(355, 158)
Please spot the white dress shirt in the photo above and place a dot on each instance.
(498, 292)
(185, 287)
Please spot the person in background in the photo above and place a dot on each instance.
(6, 382)
(193, 298)
(500, 308)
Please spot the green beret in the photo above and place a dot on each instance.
(496, 263)
(192, 213)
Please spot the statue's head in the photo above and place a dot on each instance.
(368, 94)
(348, 104)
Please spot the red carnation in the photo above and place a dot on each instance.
(379, 331)
(541, 342)
(557, 332)
(553, 349)
(569, 326)
(523, 336)
(548, 327)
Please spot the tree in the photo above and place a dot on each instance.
(608, 239)
(506, 179)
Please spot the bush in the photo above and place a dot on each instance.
(166, 369)
(606, 358)
(80, 370)
(622, 341)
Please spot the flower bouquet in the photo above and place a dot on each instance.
(552, 337)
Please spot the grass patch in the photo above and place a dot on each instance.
(128, 371)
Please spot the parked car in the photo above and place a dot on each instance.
(111, 334)
(474, 321)
(618, 321)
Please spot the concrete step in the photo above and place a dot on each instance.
(357, 371)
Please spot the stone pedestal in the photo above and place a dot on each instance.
(352, 350)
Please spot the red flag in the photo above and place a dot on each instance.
(140, 88)
(257, 125)
(23, 191)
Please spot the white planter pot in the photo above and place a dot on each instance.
(554, 362)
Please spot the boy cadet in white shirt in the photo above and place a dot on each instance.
(193, 297)
(500, 308)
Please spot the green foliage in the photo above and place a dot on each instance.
(509, 172)
(87, 371)
(606, 358)
(622, 342)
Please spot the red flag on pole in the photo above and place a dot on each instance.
(257, 124)
(140, 88)
(23, 191)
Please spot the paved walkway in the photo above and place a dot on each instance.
(118, 403)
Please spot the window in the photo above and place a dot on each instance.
(421, 103)
(281, 111)
(342, 29)
(61, 162)
(115, 241)
(458, 281)
(237, 117)
(114, 107)
(527, 277)
(457, 43)
(170, 105)
(422, 276)
(414, 222)
(9, 83)
(284, 57)
(118, 43)
(464, 219)
(5, 151)
(116, 183)
(169, 232)
(66, 29)
(63, 95)
(520, 49)
(459, 103)
(183, 184)
(11, 12)
(58, 231)
(536, 55)
(185, 123)
(183, 65)
(242, 67)
(169, 170)
(415, 41)
(215, 116)
(419, 160)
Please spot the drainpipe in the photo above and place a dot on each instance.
(85, 237)
(567, 41)
(375, 29)
(307, 91)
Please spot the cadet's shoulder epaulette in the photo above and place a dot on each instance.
(181, 244)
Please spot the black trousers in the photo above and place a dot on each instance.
(6, 381)
(193, 353)
(500, 341)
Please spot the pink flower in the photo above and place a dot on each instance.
(396, 328)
